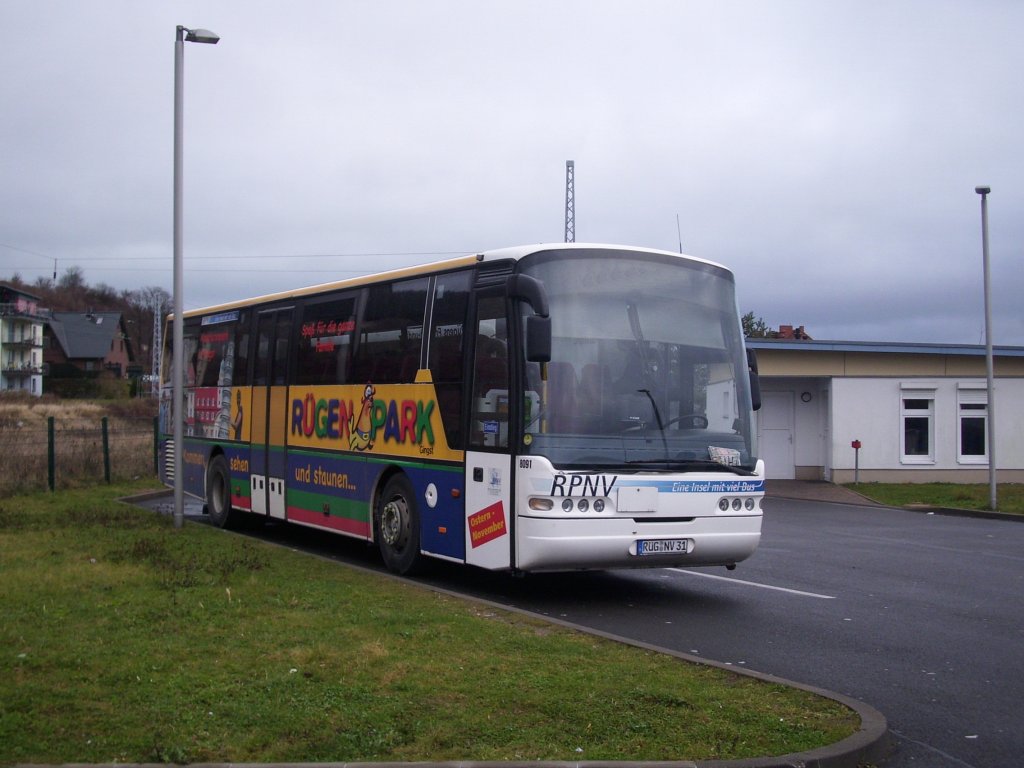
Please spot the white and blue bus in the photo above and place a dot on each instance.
(540, 408)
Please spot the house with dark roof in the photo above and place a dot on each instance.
(888, 412)
(91, 343)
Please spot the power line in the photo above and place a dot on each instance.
(26, 250)
(265, 256)
(223, 269)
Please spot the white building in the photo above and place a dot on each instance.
(21, 340)
(919, 411)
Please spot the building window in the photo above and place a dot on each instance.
(972, 426)
(917, 416)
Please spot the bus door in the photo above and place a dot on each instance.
(489, 479)
(269, 412)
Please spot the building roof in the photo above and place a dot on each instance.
(85, 335)
(6, 288)
(882, 347)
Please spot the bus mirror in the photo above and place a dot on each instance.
(538, 326)
(751, 360)
(755, 380)
(538, 339)
(531, 290)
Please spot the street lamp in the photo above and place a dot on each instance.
(989, 364)
(178, 339)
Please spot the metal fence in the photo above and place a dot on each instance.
(57, 455)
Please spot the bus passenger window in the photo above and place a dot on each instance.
(281, 342)
(324, 354)
(391, 332)
(215, 358)
(240, 371)
(261, 372)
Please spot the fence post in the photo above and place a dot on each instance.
(106, 452)
(156, 445)
(51, 459)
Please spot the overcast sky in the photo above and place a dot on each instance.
(826, 152)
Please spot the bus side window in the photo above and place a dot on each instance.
(391, 332)
(240, 371)
(282, 339)
(324, 354)
(190, 354)
(215, 358)
(447, 350)
(261, 373)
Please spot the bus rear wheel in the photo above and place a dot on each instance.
(398, 526)
(218, 492)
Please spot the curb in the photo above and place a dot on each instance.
(868, 745)
(985, 514)
(136, 498)
(871, 743)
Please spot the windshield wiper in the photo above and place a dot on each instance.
(657, 415)
(677, 464)
(719, 466)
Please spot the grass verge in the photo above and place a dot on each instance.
(126, 640)
(955, 495)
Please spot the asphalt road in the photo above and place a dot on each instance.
(921, 616)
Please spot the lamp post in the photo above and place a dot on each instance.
(178, 338)
(989, 363)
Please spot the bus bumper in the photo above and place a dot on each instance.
(546, 544)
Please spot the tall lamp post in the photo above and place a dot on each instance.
(178, 338)
(989, 363)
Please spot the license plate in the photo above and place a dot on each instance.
(662, 546)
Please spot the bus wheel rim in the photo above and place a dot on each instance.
(394, 522)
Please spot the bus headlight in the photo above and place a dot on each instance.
(567, 505)
(599, 505)
(748, 503)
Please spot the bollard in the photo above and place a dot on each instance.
(106, 452)
(51, 457)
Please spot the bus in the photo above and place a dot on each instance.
(540, 408)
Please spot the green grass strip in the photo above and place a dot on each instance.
(1010, 496)
(124, 639)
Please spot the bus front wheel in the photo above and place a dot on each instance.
(398, 526)
(218, 492)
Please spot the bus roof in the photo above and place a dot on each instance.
(514, 253)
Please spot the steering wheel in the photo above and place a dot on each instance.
(697, 420)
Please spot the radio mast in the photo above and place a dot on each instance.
(570, 203)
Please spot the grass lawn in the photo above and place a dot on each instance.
(1009, 495)
(126, 640)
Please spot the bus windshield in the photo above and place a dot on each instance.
(647, 370)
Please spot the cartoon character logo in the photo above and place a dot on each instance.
(360, 425)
